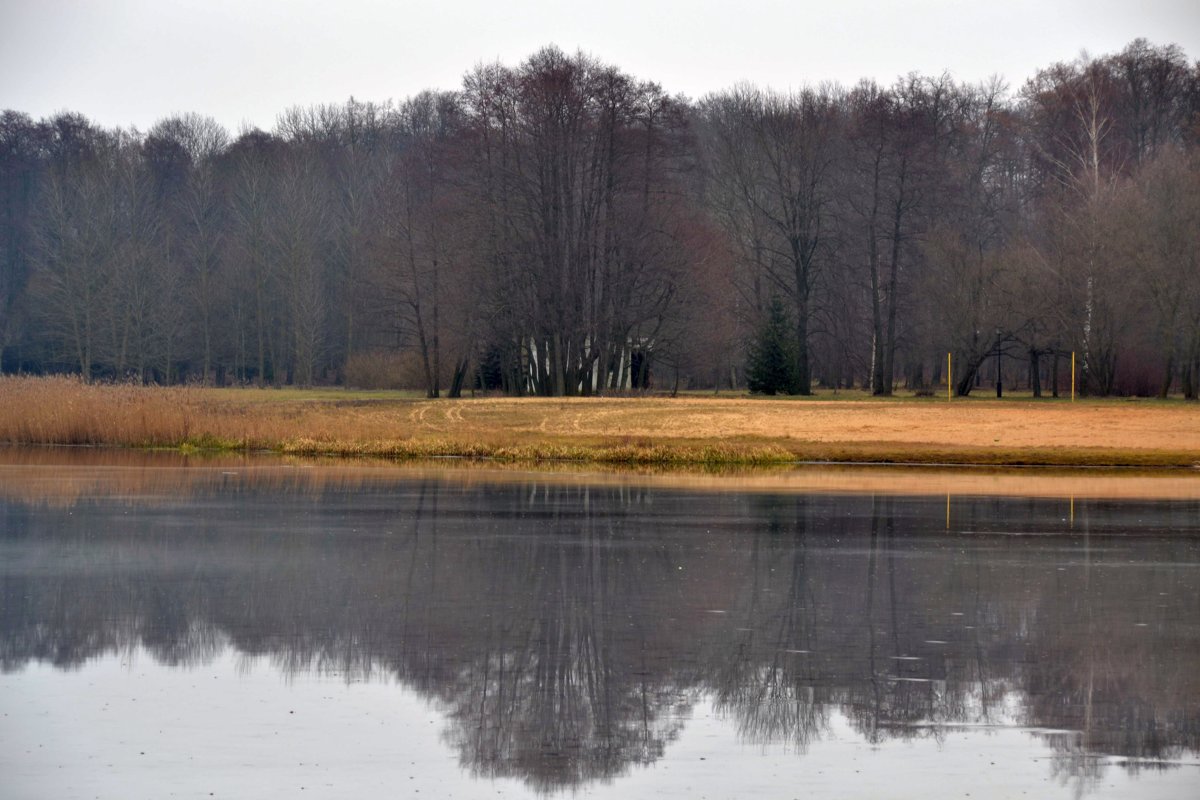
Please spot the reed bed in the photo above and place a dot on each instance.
(61, 410)
(665, 431)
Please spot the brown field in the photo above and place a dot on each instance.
(694, 429)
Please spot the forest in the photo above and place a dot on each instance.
(560, 227)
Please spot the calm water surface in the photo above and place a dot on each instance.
(233, 630)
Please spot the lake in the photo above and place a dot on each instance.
(252, 627)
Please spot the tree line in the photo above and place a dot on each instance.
(561, 227)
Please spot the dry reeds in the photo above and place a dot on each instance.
(64, 410)
(68, 411)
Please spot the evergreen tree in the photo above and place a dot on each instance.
(771, 368)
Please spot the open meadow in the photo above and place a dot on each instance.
(694, 429)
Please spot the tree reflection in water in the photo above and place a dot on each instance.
(566, 631)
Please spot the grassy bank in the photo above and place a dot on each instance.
(65, 476)
(686, 430)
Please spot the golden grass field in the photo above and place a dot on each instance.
(685, 430)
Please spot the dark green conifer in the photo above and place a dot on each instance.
(771, 368)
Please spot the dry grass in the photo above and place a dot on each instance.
(691, 430)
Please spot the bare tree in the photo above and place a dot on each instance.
(250, 162)
(574, 165)
(200, 228)
(784, 179)
(1163, 230)
(560, 227)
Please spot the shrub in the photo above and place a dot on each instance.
(771, 366)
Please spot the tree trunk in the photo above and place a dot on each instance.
(889, 352)
(1168, 377)
(803, 369)
(1188, 378)
(967, 379)
(560, 382)
(459, 377)
(877, 335)
(207, 380)
(1035, 372)
(260, 326)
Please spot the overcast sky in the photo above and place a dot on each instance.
(131, 62)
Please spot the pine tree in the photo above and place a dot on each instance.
(771, 367)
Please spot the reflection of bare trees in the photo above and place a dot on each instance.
(768, 679)
(565, 682)
(1124, 680)
(566, 631)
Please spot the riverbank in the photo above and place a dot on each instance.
(693, 430)
(63, 476)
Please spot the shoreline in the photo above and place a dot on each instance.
(26, 471)
(718, 454)
(688, 431)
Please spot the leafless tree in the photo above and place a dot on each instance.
(775, 155)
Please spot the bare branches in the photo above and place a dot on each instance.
(562, 227)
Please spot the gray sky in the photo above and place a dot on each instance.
(131, 62)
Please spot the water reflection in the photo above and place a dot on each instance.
(62, 476)
(565, 631)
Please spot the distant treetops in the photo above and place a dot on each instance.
(560, 227)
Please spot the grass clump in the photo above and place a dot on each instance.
(617, 454)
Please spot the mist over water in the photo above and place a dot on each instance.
(535, 637)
